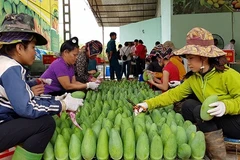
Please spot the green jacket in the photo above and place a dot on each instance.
(226, 85)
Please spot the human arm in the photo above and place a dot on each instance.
(232, 86)
(164, 84)
(89, 85)
(92, 71)
(68, 85)
(171, 96)
(22, 99)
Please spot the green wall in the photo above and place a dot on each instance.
(218, 23)
(236, 32)
(149, 31)
(226, 24)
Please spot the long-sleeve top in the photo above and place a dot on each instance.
(16, 97)
(81, 68)
(225, 85)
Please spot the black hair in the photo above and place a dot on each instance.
(233, 41)
(154, 58)
(126, 43)
(113, 34)
(217, 62)
(8, 48)
(119, 46)
(157, 43)
(69, 45)
(215, 41)
(140, 41)
(136, 40)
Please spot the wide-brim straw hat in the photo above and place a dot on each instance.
(200, 42)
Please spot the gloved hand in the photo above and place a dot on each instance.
(174, 83)
(59, 98)
(218, 110)
(92, 85)
(140, 107)
(72, 104)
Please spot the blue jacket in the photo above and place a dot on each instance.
(17, 99)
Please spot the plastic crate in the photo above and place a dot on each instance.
(7, 155)
(48, 59)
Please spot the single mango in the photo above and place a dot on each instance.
(205, 107)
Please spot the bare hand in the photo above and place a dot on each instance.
(38, 89)
(151, 81)
(93, 79)
(92, 71)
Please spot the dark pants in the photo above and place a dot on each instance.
(125, 71)
(140, 65)
(230, 124)
(115, 67)
(33, 134)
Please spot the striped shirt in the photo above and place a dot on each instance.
(16, 97)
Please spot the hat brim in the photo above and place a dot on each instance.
(208, 51)
(40, 40)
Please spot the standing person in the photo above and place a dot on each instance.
(134, 57)
(135, 42)
(125, 53)
(113, 57)
(230, 45)
(210, 75)
(157, 43)
(118, 51)
(24, 118)
(92, 49)
(141, 51)
(61, 71)
(170, 71)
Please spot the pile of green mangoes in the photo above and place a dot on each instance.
(110, 130)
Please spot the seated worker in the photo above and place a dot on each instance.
(154, 66)
(176, 60)
(210, 76)
(170, 71)
(92, 49)
(25, 119)
(61, 71)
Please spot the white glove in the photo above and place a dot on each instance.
(72, 104)
(59, 98)
(47, 81)
(174, 83)
(92, 85)
(218, 110)
(140, 107)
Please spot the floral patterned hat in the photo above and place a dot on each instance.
(200, 42)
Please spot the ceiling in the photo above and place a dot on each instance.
(114, 13)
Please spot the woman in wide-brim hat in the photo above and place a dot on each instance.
(25, 119)
(209, 75)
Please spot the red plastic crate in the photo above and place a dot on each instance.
(7, 155)
(48, 59)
